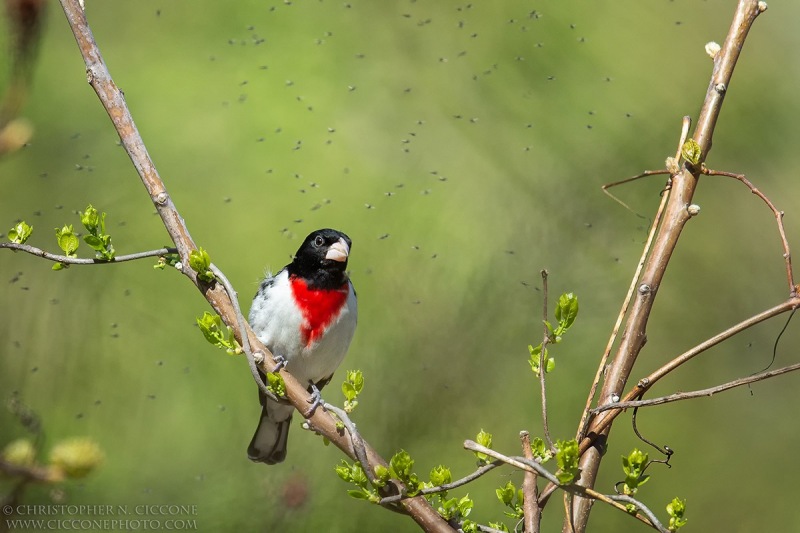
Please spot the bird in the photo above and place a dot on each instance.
(306, 316)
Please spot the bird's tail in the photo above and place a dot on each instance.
(269, 442)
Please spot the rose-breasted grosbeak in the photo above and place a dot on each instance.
(305, 314)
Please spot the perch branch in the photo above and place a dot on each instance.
(114, 103)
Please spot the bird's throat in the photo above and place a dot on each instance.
(320, 307)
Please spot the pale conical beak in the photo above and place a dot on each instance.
(338, 251)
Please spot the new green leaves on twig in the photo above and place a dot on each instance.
(167, 260)
(351, 388)
(68, 242)
(691, 151)
(454, 510)
(511, 497)
(20, 232)
(484, 439)
(222, 337)
(634, 465)
(200, 262)
(98, 240)
(676, 509)
(566, 313)
(567, 456)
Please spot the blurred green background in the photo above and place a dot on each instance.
(462, 147)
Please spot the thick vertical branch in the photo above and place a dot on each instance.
(675, 217)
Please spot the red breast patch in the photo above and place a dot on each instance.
(319, 307)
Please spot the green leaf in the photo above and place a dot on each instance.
(167, 260)
(20, 233)
(484, 439)
(468, 526)
(358, 494)
(95, 224)
(94, 241)
(199, 261)
(382, 475)
(351, 388)
(60, 266)
(549, 362)
(691, 151)
(67, 240)
(676, 509)
(498, 525)
(343, 470)
(567, 457)
(465, 506)
(400, 465)
(276, 385)
(440, 475)
(218, 334)
(506, 494)
(540, 450)
(634, 465)
(566, 311)
(91, 219)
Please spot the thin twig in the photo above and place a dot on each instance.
(251, 361)
(605, 188)
(787, 255)
(542, 363)
(603, 420)
(447, 486)
(487, 529)
(526, 465)
(678, 396)
(355, 437)
(639, 507)
(31, 473)
(38, 252)
(685, 124)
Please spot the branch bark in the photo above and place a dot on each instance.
(675, 217)
(113, 101)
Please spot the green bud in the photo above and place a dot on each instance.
(76, 457)
(20, 452)
(67, 240)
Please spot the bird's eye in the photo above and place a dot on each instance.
(319, 241)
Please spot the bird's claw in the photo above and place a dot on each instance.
(315, 401)
(280, 362)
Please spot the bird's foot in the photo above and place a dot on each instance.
(280, 362)
(315, 401)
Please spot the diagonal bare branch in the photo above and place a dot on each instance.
(114, 103)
